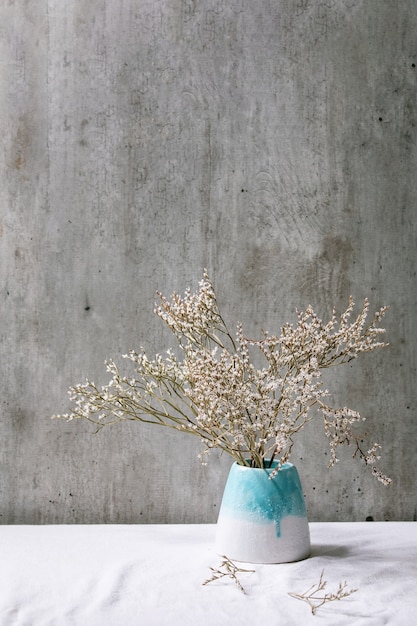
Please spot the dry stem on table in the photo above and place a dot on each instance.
(315, 600)
(229, 569)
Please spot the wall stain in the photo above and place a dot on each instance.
(328, 273)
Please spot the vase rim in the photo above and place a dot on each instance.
(284, 466)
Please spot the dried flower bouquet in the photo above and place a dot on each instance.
(218, 393)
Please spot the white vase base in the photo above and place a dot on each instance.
(251, 542)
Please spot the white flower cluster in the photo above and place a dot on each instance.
(218, 393)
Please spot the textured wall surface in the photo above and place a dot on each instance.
(273, 142)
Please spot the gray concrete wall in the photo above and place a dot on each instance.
(273, 142)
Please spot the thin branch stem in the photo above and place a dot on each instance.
(315, 598)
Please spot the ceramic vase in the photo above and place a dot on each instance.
(263, 519)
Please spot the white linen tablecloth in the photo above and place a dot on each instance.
(152, 575)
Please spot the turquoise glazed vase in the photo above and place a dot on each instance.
(263, 519)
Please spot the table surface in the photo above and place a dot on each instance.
(152, 575)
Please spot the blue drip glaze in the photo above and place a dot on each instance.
(250, 494)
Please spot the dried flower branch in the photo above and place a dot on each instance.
(218, 392)
(315, 599)
(229, 569)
